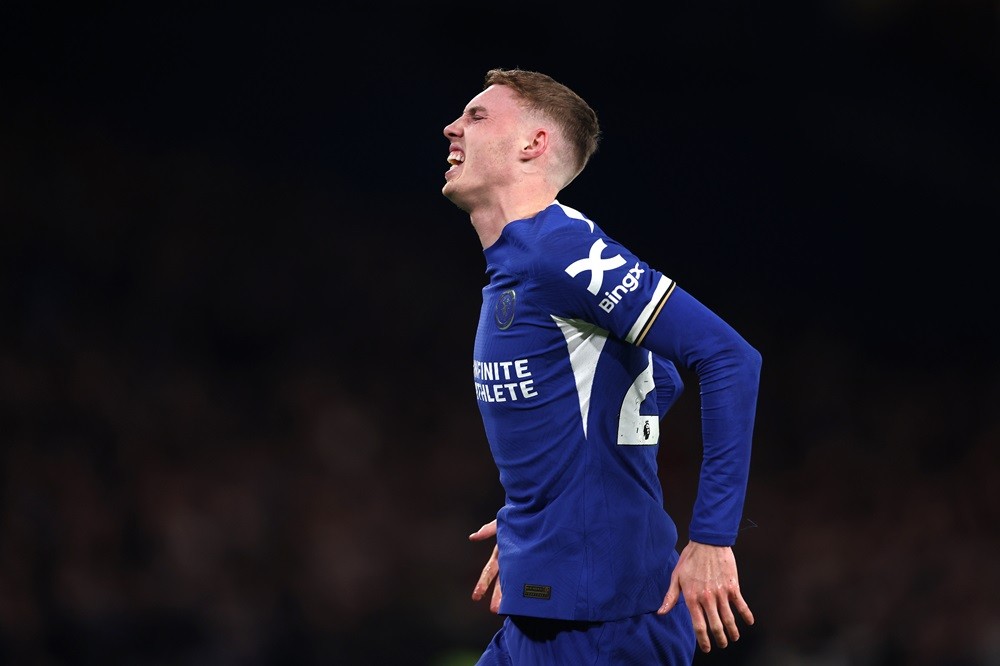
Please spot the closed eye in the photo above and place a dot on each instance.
(475, 113)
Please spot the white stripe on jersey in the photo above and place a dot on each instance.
(585, 343)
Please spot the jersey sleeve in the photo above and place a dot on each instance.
(728, 370)
(595, 278)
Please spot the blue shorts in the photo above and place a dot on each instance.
(643, 640)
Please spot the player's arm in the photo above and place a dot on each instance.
(728, 370)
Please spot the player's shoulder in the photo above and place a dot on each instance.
(552, 239)
(556, 231)
(561, 224)
(562, 218)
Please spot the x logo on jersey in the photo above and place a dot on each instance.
(596, 265)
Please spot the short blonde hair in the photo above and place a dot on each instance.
(541, 92)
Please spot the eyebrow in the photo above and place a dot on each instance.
(473, 110)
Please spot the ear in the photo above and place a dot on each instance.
(536, 143)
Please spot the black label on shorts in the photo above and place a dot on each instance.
(538, 591)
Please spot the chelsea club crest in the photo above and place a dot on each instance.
(503, 311)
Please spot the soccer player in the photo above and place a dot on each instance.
(575, 362)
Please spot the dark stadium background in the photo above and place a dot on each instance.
(236, 317)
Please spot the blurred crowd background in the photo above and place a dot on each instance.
(237, 423)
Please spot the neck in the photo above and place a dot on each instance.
(489, 219)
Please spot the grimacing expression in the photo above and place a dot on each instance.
(483, 146)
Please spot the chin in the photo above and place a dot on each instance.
(450, 191)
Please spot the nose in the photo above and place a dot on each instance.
(451, 129)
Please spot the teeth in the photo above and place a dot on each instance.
(455, 157)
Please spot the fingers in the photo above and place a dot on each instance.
(495, 600)
(713, 618)
(670, 598)
(743, 609)
(700, 625)
(483, 584)
(717, 624)
(707, 624)
(727, 626)
(709, 584)
(489, 572)
(487, 531)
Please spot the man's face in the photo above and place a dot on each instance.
(484, 145)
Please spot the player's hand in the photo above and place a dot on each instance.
(491, 571)
(707, 577)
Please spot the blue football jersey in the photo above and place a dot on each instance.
(571, 408)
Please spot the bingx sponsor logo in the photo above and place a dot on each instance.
(597, 265)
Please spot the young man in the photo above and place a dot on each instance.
(573, 369)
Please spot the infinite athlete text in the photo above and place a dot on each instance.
(500, 381)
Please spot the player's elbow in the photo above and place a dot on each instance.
(754, 358)
(750, 360)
